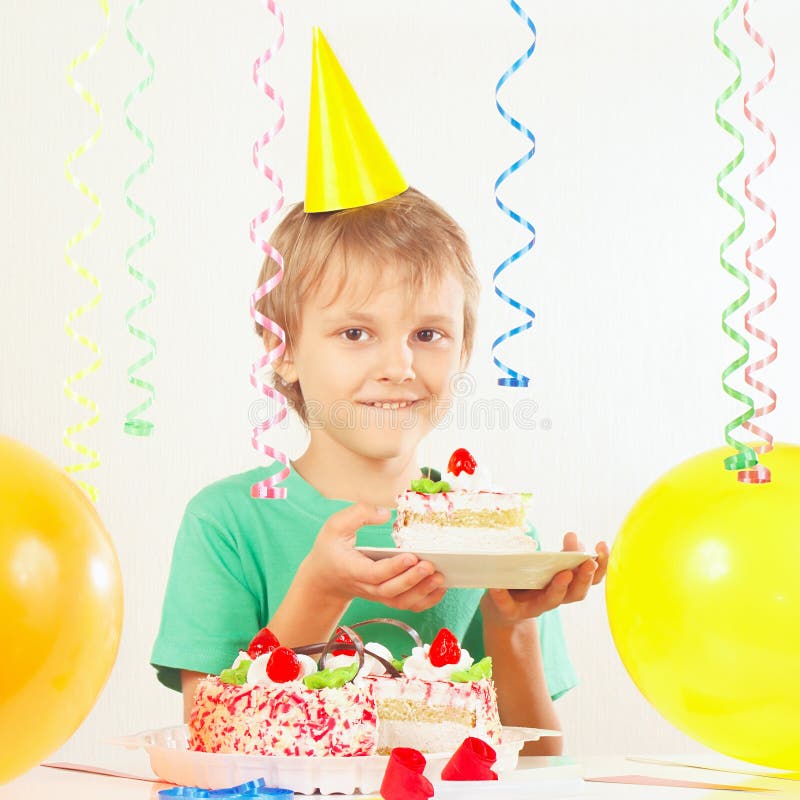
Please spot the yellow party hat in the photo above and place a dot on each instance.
(347, 165)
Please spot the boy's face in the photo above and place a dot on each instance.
(375, 370)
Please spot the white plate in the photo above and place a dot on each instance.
(172, 761)
(491, 570)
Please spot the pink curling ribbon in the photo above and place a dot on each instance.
(760, 473)
(267, 488)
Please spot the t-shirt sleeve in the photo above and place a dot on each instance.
(209, 612)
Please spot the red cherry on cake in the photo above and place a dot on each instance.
(283, 665)
(444, 649)
(461, 461)
(342, 637)
(263, 642)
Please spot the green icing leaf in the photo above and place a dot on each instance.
(398, 663)
(430, 472)
(331, 678)
(478, 671)
(236, 676)
(427, 486)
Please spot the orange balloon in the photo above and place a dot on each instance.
(60, 607)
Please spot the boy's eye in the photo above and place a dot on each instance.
(428, 335)
(354, 334)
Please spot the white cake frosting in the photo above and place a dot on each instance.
(428, 535)
(459, 499)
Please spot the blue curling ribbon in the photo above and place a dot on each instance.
(243, 791)
(250, 789)
(514, 378)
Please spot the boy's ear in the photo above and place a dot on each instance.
(284, 366)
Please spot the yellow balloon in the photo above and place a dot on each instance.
(60, 607)
(703, 595)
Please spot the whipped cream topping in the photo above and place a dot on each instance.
(418, 665)
(480, 479)
(243, 656)
(458, 499)
(371, 665)
(257, 672)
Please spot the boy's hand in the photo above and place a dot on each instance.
(508, 606)
(336, 569)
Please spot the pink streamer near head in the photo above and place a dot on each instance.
(760, 473)
(267, 488)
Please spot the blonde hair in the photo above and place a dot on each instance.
(410, 229)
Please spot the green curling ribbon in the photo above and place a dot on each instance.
(134, 424)
(478, 671)
(745, 456)
(331, 678)
(76, 313)
(427, 486)
(238, 676)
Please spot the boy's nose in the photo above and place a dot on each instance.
(397, 363)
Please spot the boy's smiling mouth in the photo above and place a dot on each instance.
(389, 405)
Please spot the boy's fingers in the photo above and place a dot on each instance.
(421, 597)
(571, 541)
(579, 587)
(503, 600)
(557, 589)
(602, 562)
(374, 573)
(346, 522)
(421, 579)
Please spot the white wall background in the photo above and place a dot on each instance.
(627, 349)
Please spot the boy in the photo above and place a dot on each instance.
(378, 304)
(377, 325)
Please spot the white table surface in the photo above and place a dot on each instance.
(43, 783)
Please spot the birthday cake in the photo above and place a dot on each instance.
(459, 514)
(355, 701)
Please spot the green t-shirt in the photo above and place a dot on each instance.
(233, 562)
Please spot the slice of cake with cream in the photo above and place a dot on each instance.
(459, 514)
